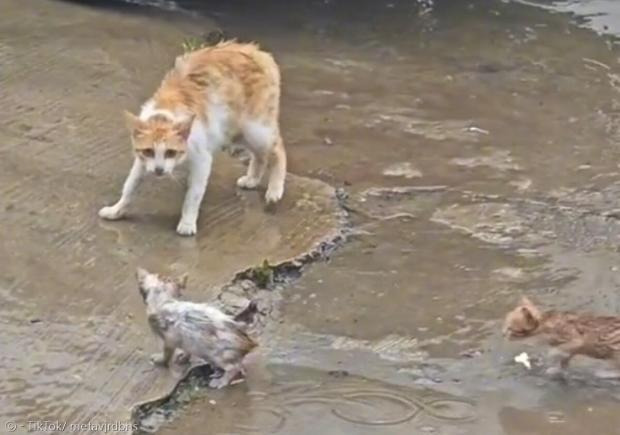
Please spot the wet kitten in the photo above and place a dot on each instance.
(197, 329)
(210, 96)
(569, 333)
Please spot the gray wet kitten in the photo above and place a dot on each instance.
(200, 330)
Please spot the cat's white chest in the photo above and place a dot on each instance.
(212, 134)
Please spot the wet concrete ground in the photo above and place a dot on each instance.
(477, 143)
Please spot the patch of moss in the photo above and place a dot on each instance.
(263, 275)
(193, 43)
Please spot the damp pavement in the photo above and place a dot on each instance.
(467, 149)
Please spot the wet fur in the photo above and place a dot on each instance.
(198, 330)
(209, 97)
(568, 333)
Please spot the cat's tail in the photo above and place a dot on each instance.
(246, 316)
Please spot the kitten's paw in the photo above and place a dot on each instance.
(186, 228)
(182, 358)
(218, 383)
(111, 213)
(274, 193)
(555, 373)
(247, 182)
(158, 359)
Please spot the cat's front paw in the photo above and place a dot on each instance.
(159, 359)
(556, 373)
(186, 228)
(182, 358)
(274, 193)
(219, 383)
(247, 182)
(111, 213)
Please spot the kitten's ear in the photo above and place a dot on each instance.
(134, 124)
(533, 309)
(183, 129)
(181, 281)
(526, 301)
(141, 274)
(531, 315)
(178, 285)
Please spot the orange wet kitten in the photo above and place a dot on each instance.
(569, 333)
(210, 96)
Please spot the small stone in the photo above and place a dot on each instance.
(470, 353)
(212, 402)
(473, 129)
(403, 169)
(247, 284)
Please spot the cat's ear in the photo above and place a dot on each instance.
(181, 282)
(531, 315)
(532, 309)
(183, 128)
(134, 123)
(526, 301)
(141, 274)
(179, 285)
(528, 316)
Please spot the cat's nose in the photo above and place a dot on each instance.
(159, 171)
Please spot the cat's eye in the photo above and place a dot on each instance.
(148, 153)
(170, 154)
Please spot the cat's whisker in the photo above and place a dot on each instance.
(175, 179)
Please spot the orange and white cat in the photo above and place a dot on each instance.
(209, 97)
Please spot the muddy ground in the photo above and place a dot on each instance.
(476, 143)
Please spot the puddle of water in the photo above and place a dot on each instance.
(599, 15)
(302, 400)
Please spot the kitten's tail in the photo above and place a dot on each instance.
(246, 316)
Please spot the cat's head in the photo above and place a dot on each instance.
(523, 321)
(155, 288)
(159, 142)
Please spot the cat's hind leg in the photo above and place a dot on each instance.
(259, 137)
(163, 359)
(277, 172)
(231, 371)
(267, 149)
(256, 171)
(561, 356)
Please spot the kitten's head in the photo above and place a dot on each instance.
(155, 288)
(523, 321)
(159, 142)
